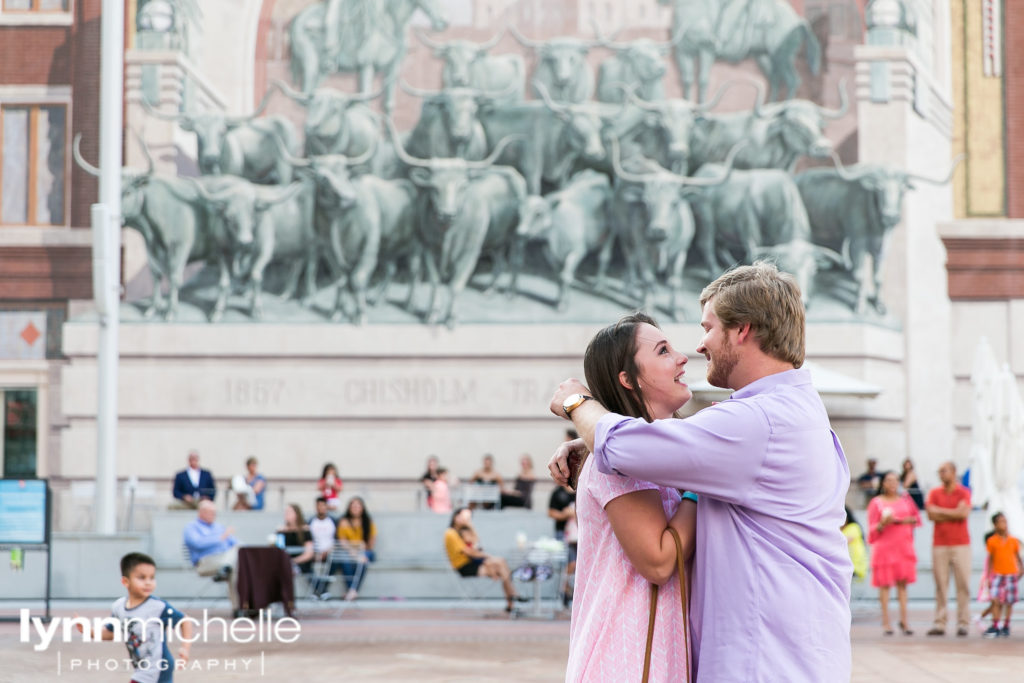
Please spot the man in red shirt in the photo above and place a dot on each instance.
(949, 506)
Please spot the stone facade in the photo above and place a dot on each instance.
(378, 399)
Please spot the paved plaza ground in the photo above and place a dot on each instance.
(393, 641)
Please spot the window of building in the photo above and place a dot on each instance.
(19, 441)
(36, 5)
(32, 144)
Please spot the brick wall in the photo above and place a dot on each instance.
(57, 56)
(1013, 83)
(85, 119)
(34, 55)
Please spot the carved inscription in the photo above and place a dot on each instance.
(411, 391)
(253, 392)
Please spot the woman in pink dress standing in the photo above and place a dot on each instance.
(892, 516)
(624, 542)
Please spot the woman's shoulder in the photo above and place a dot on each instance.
(603, 485)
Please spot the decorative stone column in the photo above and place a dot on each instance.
(904, 115)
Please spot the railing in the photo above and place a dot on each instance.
(169, 76)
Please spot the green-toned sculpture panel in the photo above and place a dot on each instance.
(408, 163)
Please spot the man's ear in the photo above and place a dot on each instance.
(624, 380)
(743, 332)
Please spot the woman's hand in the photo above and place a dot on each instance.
(564, 390)
(565, 461)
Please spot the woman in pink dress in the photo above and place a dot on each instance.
(892, 517)
(624, 542)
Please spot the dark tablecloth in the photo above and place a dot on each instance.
(265, 576)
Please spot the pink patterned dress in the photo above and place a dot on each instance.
(611, 602)
(892, 549)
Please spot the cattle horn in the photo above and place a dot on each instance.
(607, 41)
(496, 152)
(287, 154)
(844, 104)
(145, 152)
(759, 102)
(630, 92)
(831, 256)
(259, 108)
(301, 98)
(80, 160)
(365, 156)
(499, 94)
(210, 197)
(546, 96)
(161, 115)
(707, 106)
(949, 176)
(432, 44)
(418, 92)
(523, 40)
(400, 150)
(488, 45)
(708, 182)
(843, 172)
(283, 194)
(621, 172)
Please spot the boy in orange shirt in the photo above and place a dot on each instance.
(1007, 567)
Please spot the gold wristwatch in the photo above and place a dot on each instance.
(574, 401)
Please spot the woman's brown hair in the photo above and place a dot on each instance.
(611, 351)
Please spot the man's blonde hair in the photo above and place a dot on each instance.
(768, 299)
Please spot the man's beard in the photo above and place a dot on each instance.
(722, 364)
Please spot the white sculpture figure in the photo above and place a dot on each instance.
(1008, 451)
(983, 382)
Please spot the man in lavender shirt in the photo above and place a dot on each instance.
(771, 573)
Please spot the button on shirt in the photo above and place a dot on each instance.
(771, 577)
(204, 539)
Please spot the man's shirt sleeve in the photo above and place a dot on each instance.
(718, 451)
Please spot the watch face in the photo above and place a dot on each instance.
(572, 402)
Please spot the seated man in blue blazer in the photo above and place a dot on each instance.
(193, 484)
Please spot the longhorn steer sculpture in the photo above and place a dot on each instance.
(570, 225)
(758, 213)
(562, 67)
(640, 62)
(172, 219)
(467, 65)
(853, 210)
(449, 124)
(364, 222)
(557, 137)
(777, 134)
(261, 224)
(336, 122)
(466, 208)
(244, 146)
(653, 222)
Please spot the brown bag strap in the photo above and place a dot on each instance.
(650, 632)
(683, 597)
(681, 571)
